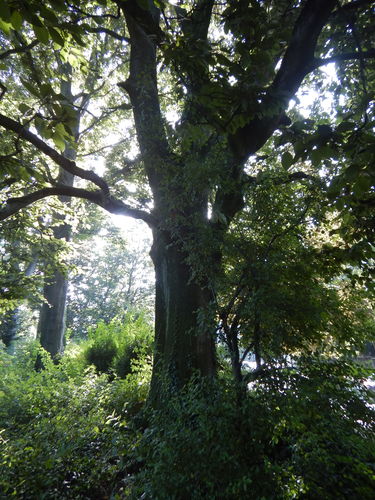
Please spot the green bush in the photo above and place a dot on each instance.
(303, 433)
(101, 352)
(295, 432)
(64, 432)
(114, 347)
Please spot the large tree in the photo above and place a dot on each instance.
(229, 72)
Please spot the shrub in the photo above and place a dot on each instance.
(63, 434)
(114, 347)
(303, 432)
(101, 352)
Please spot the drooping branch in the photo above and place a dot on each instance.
(66, 164)
(109, 203)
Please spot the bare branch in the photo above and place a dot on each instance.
(66, 164)
(109, 203)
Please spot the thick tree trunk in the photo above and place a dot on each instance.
(184, 333)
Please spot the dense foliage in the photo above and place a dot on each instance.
(302, 430)
(117, 347)
(64, 431)
(241, 134)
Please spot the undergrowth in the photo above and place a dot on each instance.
(72, 432)
(65, 432)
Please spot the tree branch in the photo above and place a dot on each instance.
(109, 203)
(141, 85)
(368, 54)
(109, 32)
(294, 176)
(17, 50)
(66, 164)
(349, 7)
(300, 52)
(295, 65)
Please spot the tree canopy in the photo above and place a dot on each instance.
(241, 135)
(196, 110)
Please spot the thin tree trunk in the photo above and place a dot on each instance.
(51, 327)
(9, 328)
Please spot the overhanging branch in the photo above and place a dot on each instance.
(66, 164)
(109, 203)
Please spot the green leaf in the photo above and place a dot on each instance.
(48, 14)
(24, 108)
(60, 129)
(352, 172)
(287, 160)
(46, 90)
(16, 20)
(78, 39)
(33, 90)
(59, 141)
(362, 185)
(56, 37)
(40, 125)
(5, 27)
(345, 127)
(32, 18)
(4, 11)
(58, 5)
(23, 174)
(42, 34)
(316, 157)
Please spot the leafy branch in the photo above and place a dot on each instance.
(109, 203)
(18, 50)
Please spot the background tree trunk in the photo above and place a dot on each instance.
(51, 326)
